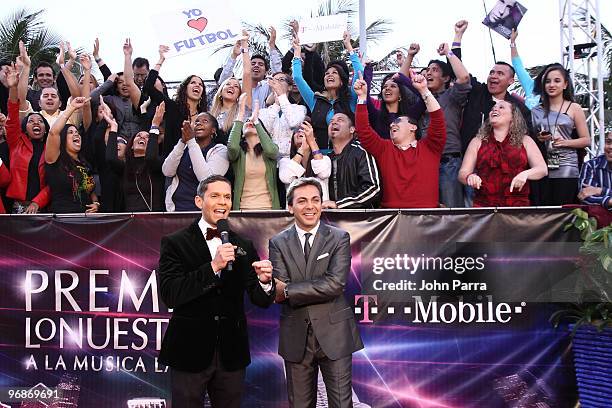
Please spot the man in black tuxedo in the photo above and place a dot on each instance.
(206, 342)
(311, 262)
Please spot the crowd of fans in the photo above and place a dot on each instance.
(438, 138)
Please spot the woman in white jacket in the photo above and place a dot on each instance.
(281, 117)
(305, 159)
(193, 158)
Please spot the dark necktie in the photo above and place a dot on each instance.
(307, 245)
(212, 233)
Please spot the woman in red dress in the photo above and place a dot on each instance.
(501, 158)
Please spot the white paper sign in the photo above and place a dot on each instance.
(322, 29)
(196, 26)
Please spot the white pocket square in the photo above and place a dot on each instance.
(325, 255)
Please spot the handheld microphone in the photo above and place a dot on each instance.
(223, 227)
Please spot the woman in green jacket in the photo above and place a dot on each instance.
(253, 155)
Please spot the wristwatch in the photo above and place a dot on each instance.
(286, 293)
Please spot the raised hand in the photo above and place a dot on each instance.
(236, 49)
(60, 57)
(461, 26)
(186, 131)
(295, 26)
(346, 40)
(297, 49)
(272, 40)
(309, 136)
(242, 100)
(443, 49)
(127, 47)
(96, 49)
(85, 61)
(159, 114)
(361, 88)
(12, 76)
(276, 87)
(78, 102)
(255, 113)
(414, 49)
(418, 81)
(513, 36)
(399, 56)
(71, 52)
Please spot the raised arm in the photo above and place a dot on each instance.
(276, 58)
(247, 80)
(305, 90)
(412, 51)
(52, 147)
(270, 149)
(65, 71)
(524, 78)
(128, 74)
(233, 141)
(85, 61)
(369, 139)
(228, 68)
(24, 63)
(149, 86)
(104, 69)
(462, 74)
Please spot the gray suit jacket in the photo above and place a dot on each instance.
(316, 293)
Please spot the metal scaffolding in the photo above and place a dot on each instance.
(583, 54)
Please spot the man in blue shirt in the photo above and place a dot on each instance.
(596, 178)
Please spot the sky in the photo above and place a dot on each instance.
(428, 23)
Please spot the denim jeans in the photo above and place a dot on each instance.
(451, 190)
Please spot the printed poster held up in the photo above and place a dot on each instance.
(504, 16)
(322, 29)
(196, 26)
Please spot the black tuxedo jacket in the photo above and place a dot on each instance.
(208, 311)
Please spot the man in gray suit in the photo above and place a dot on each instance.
(311, 262)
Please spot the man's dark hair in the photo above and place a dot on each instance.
(410, 120)
(445, 68)
(140, 62)
(512, 71)
(203, 186)
(218, 74)
(301, 182)
(261, 57)
(44, 65)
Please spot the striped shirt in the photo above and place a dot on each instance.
(597, 173)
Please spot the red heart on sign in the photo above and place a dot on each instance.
(199, 24)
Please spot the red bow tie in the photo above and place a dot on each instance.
(212, 233)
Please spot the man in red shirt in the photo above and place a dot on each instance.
(409, 168)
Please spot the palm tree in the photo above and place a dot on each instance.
(28, 26)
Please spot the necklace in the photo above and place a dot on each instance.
(150, 203)
(556, 120)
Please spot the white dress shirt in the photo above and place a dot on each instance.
(214, 243)
(302, 234)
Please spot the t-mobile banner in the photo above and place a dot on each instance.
(82, 321)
